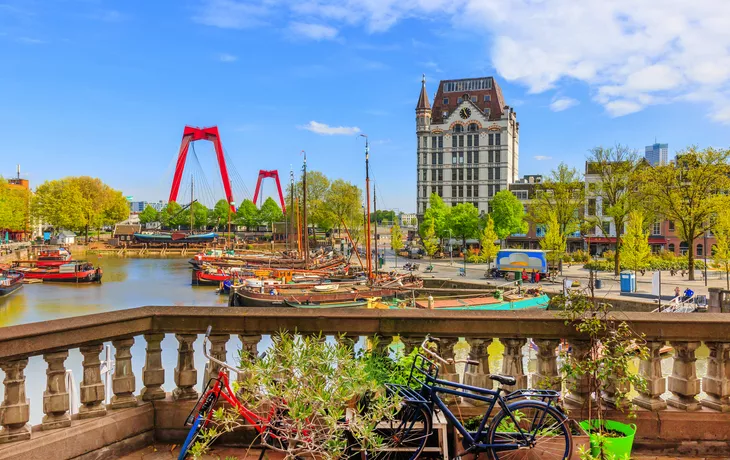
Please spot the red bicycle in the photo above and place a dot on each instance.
(217, 387)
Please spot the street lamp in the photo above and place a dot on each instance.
(451, 250)
(704, 253)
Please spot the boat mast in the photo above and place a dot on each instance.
(304, 217)
(290, 221)
(367, 215)
(375, 213)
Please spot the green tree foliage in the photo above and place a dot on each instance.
(561, 194)
(508, 214)
(13, 207)
(383, 216)
(343, 202)
(616, 187)
(486, 239)
(171, 215)
(428, 237)
(721, 256)
(438, 212)
(317, 187)
(200, 215)
(635, 250)
(270, 212)
(248, 215)
(396, 240)
(221, 213)
(149, 214)
(688, 192)
(464, 222)
(554, 242)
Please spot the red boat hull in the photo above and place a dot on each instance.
(84, 276)
(209, 279)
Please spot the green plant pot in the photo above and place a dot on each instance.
(620, 447)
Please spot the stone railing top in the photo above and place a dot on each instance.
(37, 338)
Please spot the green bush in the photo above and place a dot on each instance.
(657, 262)
(609, 255)
(580, 256)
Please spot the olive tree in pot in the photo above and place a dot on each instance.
(598, 370)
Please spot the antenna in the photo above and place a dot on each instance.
(18, 171)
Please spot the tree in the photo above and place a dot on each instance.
(430, 242)
(508, 214)
(562, 195)
(248, 215)
(317, 187)
(149, 214)
(59, 204)
(270, 212)
(487, 238)
(396, 240)
(343, 202)
(200, 215)
(615, 168)
(635, 249)
(554, 242)
(464, 222)
(439, 213)
(221, 213)
(170, 216)
(688, 192)
(382, 215)
(116, 207)
(14, 212)
(721, 255)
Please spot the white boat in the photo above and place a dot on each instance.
(325, 287)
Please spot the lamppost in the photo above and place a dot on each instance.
(704, 253)
(451, 250)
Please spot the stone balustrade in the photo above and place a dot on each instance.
(693, 400)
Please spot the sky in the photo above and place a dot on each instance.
(105, 88)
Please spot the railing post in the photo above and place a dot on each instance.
(249, 350)
(651, 370)
(91, 392)
(348, 341)
(546, 375)
(55, 398)
(512, 362)
(717, 381)
(683, 383)
(123, 380)
(186, 376)
(381, 344)
(153, 374)
(217, 351)
(15, 410)
(410, 343)
(579, 387)
(479, 376)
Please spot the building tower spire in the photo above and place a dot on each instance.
(423, 108)
(423, 103)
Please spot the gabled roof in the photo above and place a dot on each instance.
(66, 233)
(423, 103)
(449, 92)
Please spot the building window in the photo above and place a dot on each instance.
(446, 114)
(461, 141)
(671, 225)
(491, 139)
(468, 174)
(657, 228)
(425, 193)
(606, 228)
(591, 206)
(433, 142)
(441, 191)
(476, 157)
(520, 194)
(433, 158)
(700, 250)
(453, 191)
(474, 99)
(461, 191)
(476, 173)
(468, 191)
(453, 173)
(461, 158)
(671, 247)
(487, 98)
(468, 157)
(487, 111)
(496, 156)
(441, 142)
(468, 140)
(453, 158)
(440, 174)
(476, 140)
(490, 191)
(453, 141)
(683, 248)
(497, 173)
(446, 101)
(459, 101)
(540, 230)
(496, 189)
(490, 173)
(441, 158)
(490, 157)
(461, 174)
(472, 127)
(497, 140)
(458, 129)
(476, 190)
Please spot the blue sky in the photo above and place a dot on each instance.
(105, 88)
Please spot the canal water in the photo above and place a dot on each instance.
(135, 282)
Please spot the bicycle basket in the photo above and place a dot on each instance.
(424, 371)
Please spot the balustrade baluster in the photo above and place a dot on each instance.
(546, 375)
(15, 410)
(651, 370)
(92, 391)
(186, 376)
(217, 351)
(55, 398)
(410, 343)
(347, 340)
(123, 380)
(249, 349)
(478, 376)
(153, 374)
(717, 381)
(683, 383)
(579, 387)
(512, 362)
(382, 344)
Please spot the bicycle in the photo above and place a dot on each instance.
(527, 419)
(202, 413)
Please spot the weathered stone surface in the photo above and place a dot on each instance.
(579, 387)
(546, 375)
(91, 392)
(123, 380)
(683, 383)
(186, 376)
(15, 409)
(217, 351)
(512, 362)
(55, 398)
(656, 384)
(153, 374)
(478, 376)
(717, 381)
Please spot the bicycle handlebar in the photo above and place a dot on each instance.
(438, 357)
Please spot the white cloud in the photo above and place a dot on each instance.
(30, 41)
(225, 57)
(542, 158)
(562, 103)
(313, 31)
(322, 128)
(630, 54)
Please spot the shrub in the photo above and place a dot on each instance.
(658, 262)
(609, 255)
(581, 256)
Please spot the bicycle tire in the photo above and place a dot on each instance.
(404, 436)
(547, 426)
(200, 422)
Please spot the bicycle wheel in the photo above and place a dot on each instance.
(200, 422)
(404, 437)
(546, 429)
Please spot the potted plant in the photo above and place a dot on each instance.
(601, 365)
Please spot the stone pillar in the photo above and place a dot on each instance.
(512, 362)
(683, 383)
(478, 376)
(410, 344)
(153, 374)
(123, 380)
(217, 351)
(651, 370)
(249, 350)
(55, 398)
(186, 376)
(381, 344)
(15, 410)
(579, 387)
(348, 341)
(91, 392)
(717, 381)
(546, 375)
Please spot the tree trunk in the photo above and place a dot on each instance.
(87, 234)
(691, 262)
(617, 256)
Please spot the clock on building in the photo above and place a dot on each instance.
(465, 112)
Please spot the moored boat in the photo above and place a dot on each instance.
(10, 281)
(242, 297)
(74, 272)
(353, 304)
(53, 257)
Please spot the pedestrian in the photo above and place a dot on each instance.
(676, 291)
(524, 275)
(532, 276)
(537, 277)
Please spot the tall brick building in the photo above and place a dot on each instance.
(467, 143)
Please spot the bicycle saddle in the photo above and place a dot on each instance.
(503, 379)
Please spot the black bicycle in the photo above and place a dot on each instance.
(528, 425)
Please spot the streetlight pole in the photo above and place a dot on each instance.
(451, 250)
(304, 216)
(704, 252)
